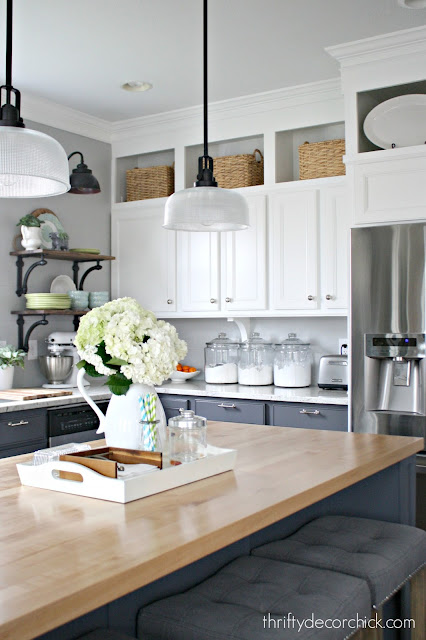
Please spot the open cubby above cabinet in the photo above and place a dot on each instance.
(140, 161)
(217, 149)
(368, 100)
(287, 147)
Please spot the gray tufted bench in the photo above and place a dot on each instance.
(105, 634)
(384, 554)
(253, 598)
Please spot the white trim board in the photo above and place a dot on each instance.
(388, 45)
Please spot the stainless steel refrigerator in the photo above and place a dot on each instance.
(388, 326)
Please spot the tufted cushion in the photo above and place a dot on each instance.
(382, 553)
(105, 634)
(232, 604)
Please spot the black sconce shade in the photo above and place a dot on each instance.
(81, 179)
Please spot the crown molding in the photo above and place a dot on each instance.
(56, 115)
(404, 42)
(258, 103)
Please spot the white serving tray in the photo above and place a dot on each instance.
(95, 485)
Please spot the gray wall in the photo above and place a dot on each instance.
(322, 333)
(87, 221)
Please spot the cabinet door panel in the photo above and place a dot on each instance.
(145, 265)
(392, 190)
(244, 262)
(335, 225)
(294, 250)
(198, 263)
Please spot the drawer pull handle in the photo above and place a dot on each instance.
(227, 406)
(310, 413)
(17, 424)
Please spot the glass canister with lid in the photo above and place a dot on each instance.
(292, 363)
(255, 361)
(220, 360)
(187, 435)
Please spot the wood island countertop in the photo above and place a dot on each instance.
(63, 555)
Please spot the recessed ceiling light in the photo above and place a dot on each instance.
(136, 85)
(412, 4)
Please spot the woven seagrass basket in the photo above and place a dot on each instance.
(149, 182)
(321, 159)
(243, 170)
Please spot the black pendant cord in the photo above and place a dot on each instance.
(205, 176)
(9, 23)
(205, 81)
(10, 113)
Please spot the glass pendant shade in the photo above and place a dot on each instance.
(32, 164)
(206, 209)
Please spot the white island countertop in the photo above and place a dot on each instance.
(311, 395)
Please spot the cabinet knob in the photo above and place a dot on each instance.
(228, 299)
(169, 301)
(213, 300)
(310, 297)
(328, 297)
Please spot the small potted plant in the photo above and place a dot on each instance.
(9, 359)
(31, 232)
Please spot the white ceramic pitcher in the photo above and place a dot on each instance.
(122, 421)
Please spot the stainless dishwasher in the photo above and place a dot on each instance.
(73, 423)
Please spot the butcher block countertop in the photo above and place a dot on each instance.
(62, 555)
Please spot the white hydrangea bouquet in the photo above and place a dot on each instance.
(128, 344)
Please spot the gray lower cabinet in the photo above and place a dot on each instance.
(309, 416)
(22, 432)
(172, 404)
(279, 414)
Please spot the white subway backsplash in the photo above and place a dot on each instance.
(322, 333)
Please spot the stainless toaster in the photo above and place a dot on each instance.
(333, 372)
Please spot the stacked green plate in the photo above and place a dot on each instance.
(58, 301)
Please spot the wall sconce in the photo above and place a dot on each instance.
(81, 179)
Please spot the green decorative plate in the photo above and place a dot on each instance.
(52, 224)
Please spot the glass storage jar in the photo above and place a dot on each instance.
(187, 435)
(220, 360)
(292, 363)
(255, 361)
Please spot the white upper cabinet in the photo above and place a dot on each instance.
(145, 265)
(198, 271)
(293, 249)
(389, 186)
(244, 262)
(334, 247)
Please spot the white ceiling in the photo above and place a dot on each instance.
(78, 53)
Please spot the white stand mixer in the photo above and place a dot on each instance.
(60, 344)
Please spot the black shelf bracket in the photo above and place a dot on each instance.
(75, 268)
(22, 280)
(23, 342)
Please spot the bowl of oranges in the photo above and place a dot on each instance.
(183, 373)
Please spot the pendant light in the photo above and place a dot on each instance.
(82, 180)
(206, 207)
(32, 164)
